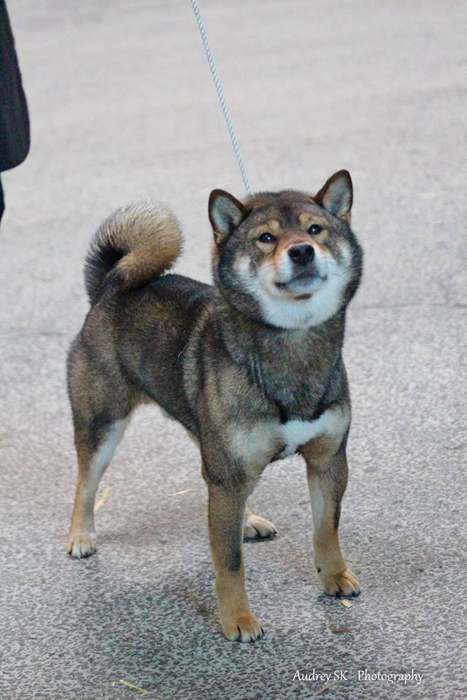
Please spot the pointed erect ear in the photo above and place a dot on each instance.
(337, 194)
(225, 214)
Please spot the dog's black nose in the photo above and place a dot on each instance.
(302, 253)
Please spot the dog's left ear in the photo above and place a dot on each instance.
(225, 214)
(337, 195)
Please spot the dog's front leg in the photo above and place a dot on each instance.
(226, 517)
(327, 479)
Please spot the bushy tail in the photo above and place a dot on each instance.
(130, 247)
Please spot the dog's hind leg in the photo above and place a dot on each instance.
(257, 528)
(95, 447)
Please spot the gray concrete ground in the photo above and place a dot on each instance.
(122, 107)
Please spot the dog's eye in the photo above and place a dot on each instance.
(266, 238)
(314, 229)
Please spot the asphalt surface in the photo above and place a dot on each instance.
(123, 108)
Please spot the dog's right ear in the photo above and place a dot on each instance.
(225, 214)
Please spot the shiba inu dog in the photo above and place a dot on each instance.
(252, 367)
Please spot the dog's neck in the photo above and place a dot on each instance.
(286, 364)
(250, 333)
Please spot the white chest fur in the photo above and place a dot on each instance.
(333, 423)
(254, 443)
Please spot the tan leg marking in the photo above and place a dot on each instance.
(238, 622)
(327, 480)
(226, 519)
(82, 540)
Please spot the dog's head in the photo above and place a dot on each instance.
(287, 258)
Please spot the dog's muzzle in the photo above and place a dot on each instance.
(303, 268)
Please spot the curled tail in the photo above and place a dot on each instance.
(130, 247)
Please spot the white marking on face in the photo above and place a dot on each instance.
(332, 423)
(280, 308)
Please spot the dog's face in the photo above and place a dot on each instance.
(287, 257)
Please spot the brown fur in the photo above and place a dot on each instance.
(148, 238)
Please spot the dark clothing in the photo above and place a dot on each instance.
(14, 118)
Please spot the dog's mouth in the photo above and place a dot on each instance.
(297, 286)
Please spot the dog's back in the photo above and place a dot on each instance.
(131, 346)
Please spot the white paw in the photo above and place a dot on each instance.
(82, 544)
(257, 528)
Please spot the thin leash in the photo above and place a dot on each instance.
(220, 94)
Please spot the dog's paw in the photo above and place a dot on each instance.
(81, 544)
(257, 528)
(343, 584)
(242, 628)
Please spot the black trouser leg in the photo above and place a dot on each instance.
(2, 200)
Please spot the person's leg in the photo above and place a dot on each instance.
(2, 200)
